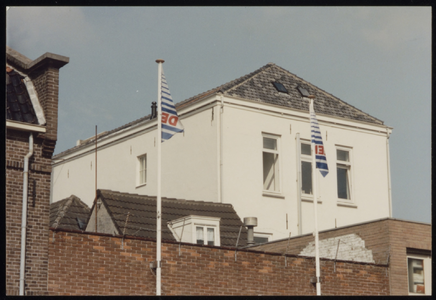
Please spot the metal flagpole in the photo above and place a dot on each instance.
(159, 200)
(315, 202)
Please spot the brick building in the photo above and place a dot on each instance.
(405, 246)
(31, 134)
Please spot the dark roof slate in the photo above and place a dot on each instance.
(257, 86)
(142, 215)
(18, 104)
(64, 213)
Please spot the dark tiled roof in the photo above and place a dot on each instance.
(18, 104)
(64, 213)
(142, 215)
(257, 86)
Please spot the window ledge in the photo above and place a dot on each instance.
(347, 204)
(310, 200)
(141, 185)
(274, 195)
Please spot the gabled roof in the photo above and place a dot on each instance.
(18, 104)
(142, 215)
(69, 213)
(257, 86)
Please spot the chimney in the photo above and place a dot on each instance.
(153, 110)
(250, 222)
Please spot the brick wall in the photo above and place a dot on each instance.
(91, 264)
(403, 235)
(44, 73)
(388, 239)
(17, 147)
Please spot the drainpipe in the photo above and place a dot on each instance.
(388, 133)
(220, 136)
(24, 215)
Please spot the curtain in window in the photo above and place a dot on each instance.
(210, 236)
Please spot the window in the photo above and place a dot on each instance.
(210, 237)
(260, 238)
(270, 158)
(343, 171)
(142, 169)
(202, 230)
(419, 273)
(306, 169)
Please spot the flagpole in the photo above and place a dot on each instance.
(315, 202)
(159, 200)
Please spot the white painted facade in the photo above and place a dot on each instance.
(219, 158)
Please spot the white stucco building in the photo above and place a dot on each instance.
(246, 143)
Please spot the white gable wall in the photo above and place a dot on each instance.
(243, 173)
(191, 165)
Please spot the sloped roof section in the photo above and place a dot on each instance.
(69, 213)
(257, 86)
(142, 215)
(19, 107)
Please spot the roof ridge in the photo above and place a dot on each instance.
(224, 87)
(61, 210)
(153, 198)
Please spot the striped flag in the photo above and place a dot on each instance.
(320, 158)
(170, 120)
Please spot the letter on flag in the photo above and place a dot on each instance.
(320, 158)
(170, 120)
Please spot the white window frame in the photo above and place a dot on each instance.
(426, 261)
(351, 201)
(139, 170)
(277, 167)
(306, 158)
(185, 229)
(263, 235)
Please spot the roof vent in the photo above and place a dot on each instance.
(153, 110)
(250, 222)
(280, 87)
(303, 91)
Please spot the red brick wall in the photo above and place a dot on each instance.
(45, 76)
(388, 240)
(405, 235)
(17, 147)
(86, 264)
(46, 83)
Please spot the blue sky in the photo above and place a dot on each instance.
(377, 59)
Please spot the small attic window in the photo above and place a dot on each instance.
(280, 87)
(303, 91)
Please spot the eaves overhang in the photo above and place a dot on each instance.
(24, 126)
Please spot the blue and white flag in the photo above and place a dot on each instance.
(170, 120)
(320, 158)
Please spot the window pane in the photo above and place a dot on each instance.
(342, 155)
(200, 235)
(210, 236)
(306, 177)
(416, 275)
(270, 171)
(343, 184)
(305, 149)
(269, 143)
(260, 240)
(143, 169)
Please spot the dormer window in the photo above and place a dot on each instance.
(280, 87)
(202, 230)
